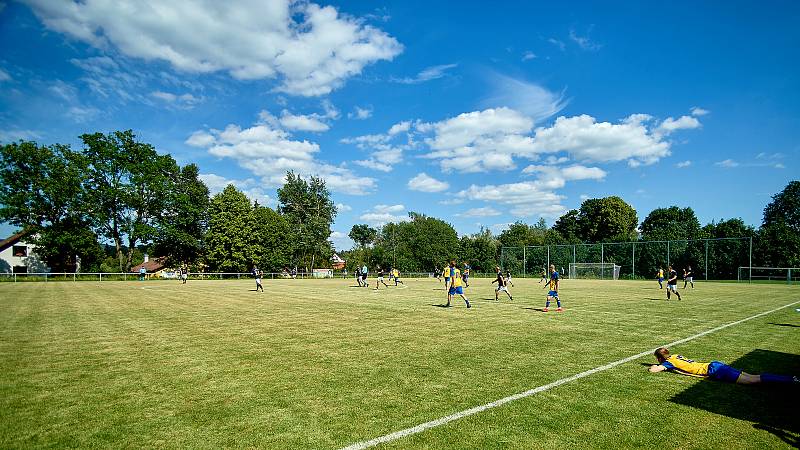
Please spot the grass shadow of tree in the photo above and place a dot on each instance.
(770, 408)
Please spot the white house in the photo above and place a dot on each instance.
(19, 256)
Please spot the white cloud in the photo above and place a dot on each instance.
(531, 99)
(360, 113)
(382, 214)
(384, 156)
(486, 211)
(451, 201)
(4, 76)
(301, 122)
(681, 123)
(249, 187)
(584, 197)
(7, 136)
(82, 114)
(697, 111)
(425, 183)
(727, 163)
(683, 164)
(186, 100)
(427, 74)
(311, 49)
(558, 43)
(525, 199)
(383, 160)
(528, 55)
(583, 41)
(399, 128)
(269, 152)
(341, 207)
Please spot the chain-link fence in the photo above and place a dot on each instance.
(709, 259)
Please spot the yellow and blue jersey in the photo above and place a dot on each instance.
(554, 281)
(661, 273)
(455, 275)
(686, 366)
(446, 272)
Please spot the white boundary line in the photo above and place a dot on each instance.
(474, 410)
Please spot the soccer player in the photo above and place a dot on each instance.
(660, 278)
(364, 272)
(553, 293)
(455, 285)
(358, 275)
(396, 275)
(184, 274)
(508, 277)
(714, 370)
(465, 275)
(501, 285)
(688, 277)
(257, 275)
(544, 275)
(446, 276)
(379, 280)
(672, 283)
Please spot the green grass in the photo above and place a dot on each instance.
(320, 364)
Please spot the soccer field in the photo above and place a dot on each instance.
(324, 364)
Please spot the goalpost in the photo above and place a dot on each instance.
(596, 271)
(788, 275)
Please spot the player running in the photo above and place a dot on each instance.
(714, 370)
(501, 285)
(257, 274)
(660, 278)
(465, 275)
(358, 275)
(396, 276)
(543, 274)
(379, 280)
(184, 274)
(553, 293)
(508, 277)
(455, 285)
(672, 283)
(446, 276)
(364, 273)
(688, 277)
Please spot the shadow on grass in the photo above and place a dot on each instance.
(771, 408)
(440, 305)
(784, 325)
(534, 309)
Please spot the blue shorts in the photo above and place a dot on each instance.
(723, 372)
(456, 290)
(553, 294)
(446, 279)
(660, 280)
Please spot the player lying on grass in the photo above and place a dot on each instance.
(714, 370)
(501, 285)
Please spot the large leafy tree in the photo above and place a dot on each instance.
(363, 234)
(128, 188)
(228, 239)
(419, 244)
(671, 223)
(607, 219)
(479, 250)
(268, 247)
(779, 236)
(308, 207)
(42, 190)
(182, 224)
(726, 255)
(567, 226)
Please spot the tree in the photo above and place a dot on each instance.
(181, 226)
(42, 190)
(479, 250)
(725, 256)
(268, 246)
(779, 236)
(671, 223)
(417, 245)
(310, 211)
(128, 184)
(607, 219)
(363, 234)
(228, 236)
(567, 226)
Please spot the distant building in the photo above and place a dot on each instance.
(337, 262)
(19, 256)
(153, 266)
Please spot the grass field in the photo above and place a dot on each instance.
(322, 364)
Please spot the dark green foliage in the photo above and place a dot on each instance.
(606, 219)
(480, 250)
(310, 211)
(567, 226)
(228, 237)
(779, 237)
(363, 234)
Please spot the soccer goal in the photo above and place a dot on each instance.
(789, 275)
(594, 271)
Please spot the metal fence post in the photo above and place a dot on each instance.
(751, 260)
(706, 270)
(602, 260)
(633, 260)
(667, 254)
(548, 258)
(101, 276)
(524, 261)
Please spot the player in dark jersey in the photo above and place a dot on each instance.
(688, 277)
(508, 278)
(672, 283)
(380, 279)
(501, 285)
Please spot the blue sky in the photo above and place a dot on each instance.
(481, 115)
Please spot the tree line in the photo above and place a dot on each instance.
(423, 243)
(102, 206)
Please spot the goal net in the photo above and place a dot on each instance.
(596, 271)
(789, 275)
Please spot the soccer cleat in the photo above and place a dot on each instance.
(545, 310)
(469, 306)
(511, 298)
(560, 309)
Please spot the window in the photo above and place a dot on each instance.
(20, 250)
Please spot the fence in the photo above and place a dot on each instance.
(788, 275)
(715, 259)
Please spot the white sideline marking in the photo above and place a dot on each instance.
(474, 410)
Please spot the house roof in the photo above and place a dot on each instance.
(13, 239)
(154, 265)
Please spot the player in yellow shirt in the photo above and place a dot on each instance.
(714, 370)
(456, 285)
(396, 276)
(660, 278)
(553, 293)
(446, 276)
